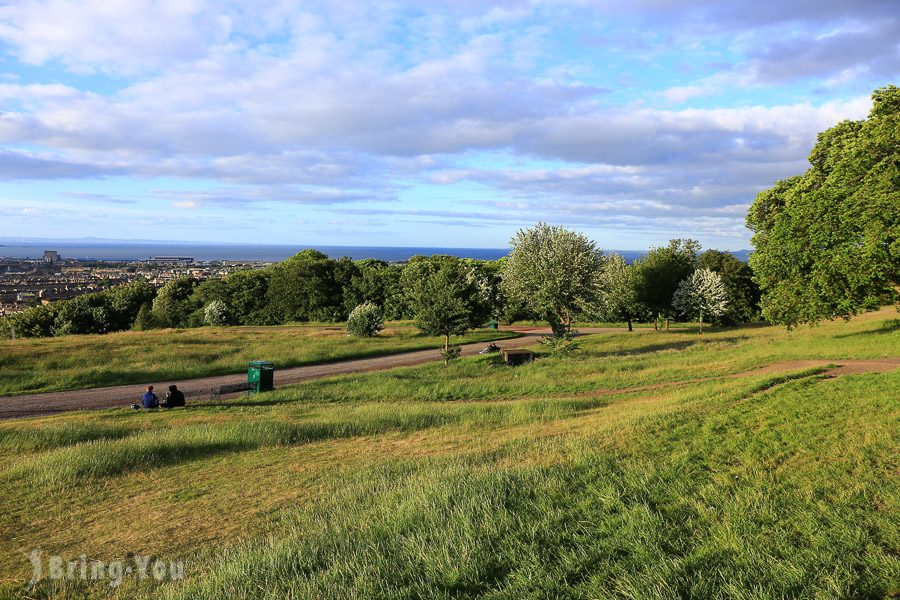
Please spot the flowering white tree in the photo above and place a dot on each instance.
(215, 313)
(701, 294)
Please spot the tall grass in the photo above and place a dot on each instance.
(557, 479)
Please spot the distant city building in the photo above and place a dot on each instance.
(51, 256)
(172, 260)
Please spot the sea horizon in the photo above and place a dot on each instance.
(136, 250)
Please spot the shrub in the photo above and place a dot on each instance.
(562, 344)
(215, 313)
(450, 353)
(365, 320)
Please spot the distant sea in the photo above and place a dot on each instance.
(249, 252)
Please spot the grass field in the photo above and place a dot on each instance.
(567, 478)
(85, 361)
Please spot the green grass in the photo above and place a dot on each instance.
(87, 361)
(564, 478)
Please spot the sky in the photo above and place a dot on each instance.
(421, 123)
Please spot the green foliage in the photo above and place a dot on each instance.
(701, 295)
(737, 276)
(377, 282)
(306, 287)
(618, 300)
(365, 320)
(827, 242)
(246, 297)
(36, 321)
(554, 272)
(450, 353)
(175, 302)
(113, 309)
(445, 295)
(660, 272)
(562, 344)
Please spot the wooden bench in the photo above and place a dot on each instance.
(231, 388)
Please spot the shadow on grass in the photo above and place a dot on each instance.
(887, 327)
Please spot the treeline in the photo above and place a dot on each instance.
(310, 286)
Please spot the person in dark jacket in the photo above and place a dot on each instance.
(174, 398)
(149, 399)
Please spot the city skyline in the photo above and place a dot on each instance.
(420, 124)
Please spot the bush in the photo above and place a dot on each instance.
(365, 320)
(215, 313)
(562, 344)
(450, 353)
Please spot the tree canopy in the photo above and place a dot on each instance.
(826, 242)
(445, 295)
(660, 272)
(700, 295)
(554, 272)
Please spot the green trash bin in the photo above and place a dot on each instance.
(492, 325)
(261, 376)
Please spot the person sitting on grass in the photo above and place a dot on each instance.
(174, 398)
(149, 399)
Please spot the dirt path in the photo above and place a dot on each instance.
(119, 396)
(122, 396)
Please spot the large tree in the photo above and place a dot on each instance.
(619, 291)
(827, 241)
(307, 287)
(445, 295)
(737, 276)
(553, 272)
(701, 295)
(660, 272)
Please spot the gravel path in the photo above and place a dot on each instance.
(125, 395)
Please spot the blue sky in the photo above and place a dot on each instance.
(420, 123)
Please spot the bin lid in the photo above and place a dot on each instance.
(262, 363)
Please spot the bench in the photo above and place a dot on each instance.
(232, 388)
(517, 356)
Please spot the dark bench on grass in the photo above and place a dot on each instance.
(517, 356)
(232, 388)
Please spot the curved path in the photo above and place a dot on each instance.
(124, 395)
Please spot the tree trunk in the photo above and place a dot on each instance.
(446, 342)
(656, 323)
(667, 323)
(629, 324)
(701, 323)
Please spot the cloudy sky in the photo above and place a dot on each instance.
(420, 123)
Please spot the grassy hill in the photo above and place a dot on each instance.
(86, 361)
(658, 465)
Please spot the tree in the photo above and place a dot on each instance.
(125, 301)
(619, 291)
(701, 294)
(215, 313)
(305, 288)
(826, 242)
(444, 295)
(175, 302)
(246, 297)
(36, 321)
(660, 272)
(554, 272)
(365, 320)
(743, 293)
